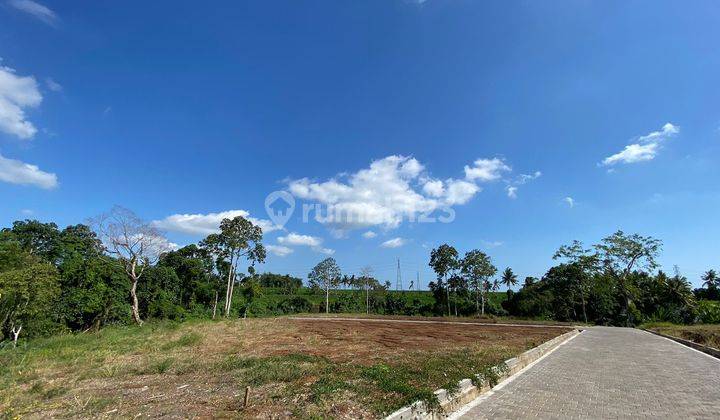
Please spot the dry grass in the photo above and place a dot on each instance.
(295, 368)
(707, 335)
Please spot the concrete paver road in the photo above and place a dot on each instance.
(609, 373)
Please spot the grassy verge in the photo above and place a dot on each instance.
(305, 369)
(707, 335)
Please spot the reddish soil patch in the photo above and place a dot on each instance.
(369, 341)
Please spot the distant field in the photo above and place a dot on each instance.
(707, 335)
(302, 368)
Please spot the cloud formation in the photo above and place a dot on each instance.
(36, 10)
(390, 190)
(205, 224)
(486, 170)
(644, 148)
(313, 242)
(17, 93)
(570, 201)
(279, 250)
(21, 173)
(393, 243)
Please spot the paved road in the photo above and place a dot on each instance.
(609, 373)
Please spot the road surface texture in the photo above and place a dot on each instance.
(609, 373)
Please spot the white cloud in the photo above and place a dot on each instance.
(645, 149)
(459, 191)
(393, 243)
(492, 244)
(314, 242)
(326, 251)
(279, 250)
(17, 93)
(633, 153)
(27, 212)
(486, 170)
(53, 85)
(369, 234)
(37, 10)
(434, 188)
(570, 201)
(391, 190)
(668, 130)
(525, 178)
(205, 224)
(300, 240)
(522, 179)
(17, 172)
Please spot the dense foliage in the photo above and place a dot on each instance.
(54, 280)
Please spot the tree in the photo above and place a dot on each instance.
(39, 239)
(710, 280)
(477, 268)
(620, 254)
(444, 261)
(365, 277)
(134, 243)
(509, 279)
(238, 238)
(586, 261)
(27, 299)
(324, 276)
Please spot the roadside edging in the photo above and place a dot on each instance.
(467, 392)
(699, 347)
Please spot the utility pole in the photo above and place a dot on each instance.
(398, 283)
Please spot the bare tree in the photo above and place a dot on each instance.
(134, 243)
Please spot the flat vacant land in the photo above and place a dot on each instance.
(707, 335)
(300, 368)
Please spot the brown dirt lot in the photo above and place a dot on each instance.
(295, 368)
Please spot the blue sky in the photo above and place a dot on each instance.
(535, 122)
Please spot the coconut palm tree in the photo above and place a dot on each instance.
(710, 279)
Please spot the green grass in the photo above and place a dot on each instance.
(87, 374)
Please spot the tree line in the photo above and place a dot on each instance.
(119, 269)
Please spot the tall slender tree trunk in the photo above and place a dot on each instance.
(215, 305)
(447, 291)
(456, 298)
(232, 290)
(327, 298)
(133, 293)
(135, 303)
(477, 301)
(227, 289)
(367, 298)
(482, 301)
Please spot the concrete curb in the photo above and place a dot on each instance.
(699, 347)
(467, 392)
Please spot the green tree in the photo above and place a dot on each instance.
(509, 279)
(27, 299)
(37, 238)
(324, 275)
(444, 261)
(238, 238)
(477, 269)
(587, 263)
(710, 279)
(620, 254)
